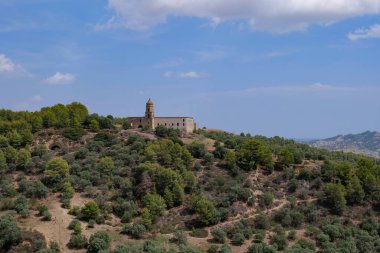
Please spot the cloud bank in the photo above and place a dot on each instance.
(268, 15)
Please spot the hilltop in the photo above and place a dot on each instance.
(72, 181)
(366, 143)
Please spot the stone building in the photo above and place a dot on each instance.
(186, 124)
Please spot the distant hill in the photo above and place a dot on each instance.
(367, 143)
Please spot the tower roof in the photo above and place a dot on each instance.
(149, 101)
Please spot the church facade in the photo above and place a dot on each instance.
(186, 124)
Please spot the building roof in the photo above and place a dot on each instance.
(149, 101)
(177, 117)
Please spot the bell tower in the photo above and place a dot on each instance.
(149, 113)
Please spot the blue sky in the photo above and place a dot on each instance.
(302, 69)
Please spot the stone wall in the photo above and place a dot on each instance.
(186, 124)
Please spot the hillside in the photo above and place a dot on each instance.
(72, 181)
(367, 143)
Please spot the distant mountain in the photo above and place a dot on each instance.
(367, 143)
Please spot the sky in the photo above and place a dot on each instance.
(298, 69)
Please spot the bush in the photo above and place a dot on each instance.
(266, 199)
(137, 231)
(77, 241)
(334, 197)
(292, 235)
(41, 209)
(199, 233)
(238, 239)
(73, 134)
(179, 238)
(155, 204)
(91, 224)
(21, 206)
(261, 221)
(261, 248)
(225, 249)
(197, 150)
(213, 249)
(73, 224)
(99, 241)
(46, 215)
(280, 241)
(90, 210)
(219, 235)
(10, 233)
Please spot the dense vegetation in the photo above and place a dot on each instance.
(236, 192)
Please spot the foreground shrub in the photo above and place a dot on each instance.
(137, 231)
(10, 233)
(77, 241)
(99, 241)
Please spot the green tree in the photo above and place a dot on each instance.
(254, 152)
(146, 218)
(197, 150)
(230, 159)
(204, 208)
(78, 113)
(169, 154)
(178, 194)
(90, 210)
(166, 178)
(11, 155)
(286, 157)
(94, 125)
(15, 139)
(106, 165)
(168, 197)
(4, 142)
(23, 159)
(334, 197)
(10, 233)
(355, 192)
(155, 204)
(26, 136)
(40, 190)
(56, 171)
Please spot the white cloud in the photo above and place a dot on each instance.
(168, 74)
(6, 64)
(189, 74)
(268, 15)
(368, 33)
(59, 78)
(36, 98)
